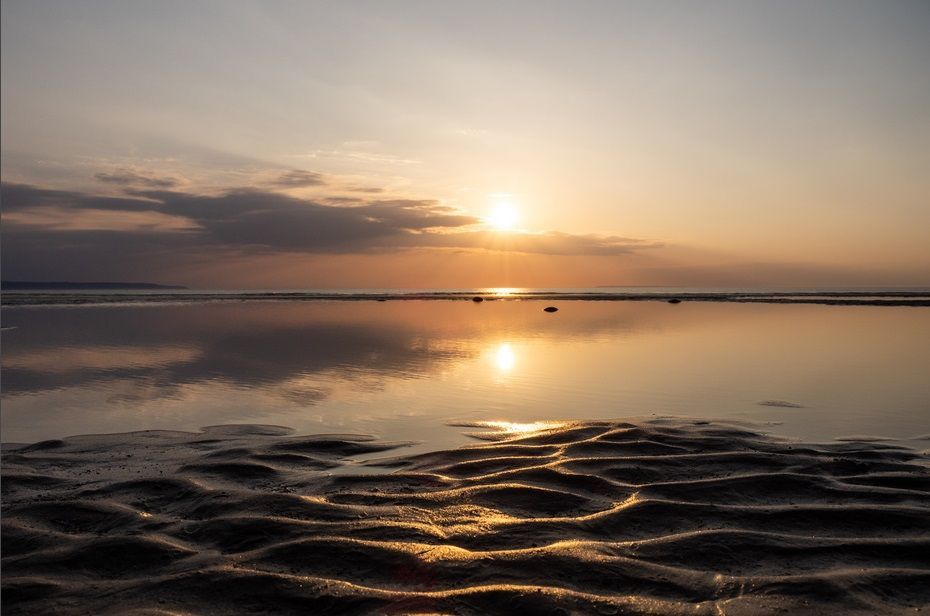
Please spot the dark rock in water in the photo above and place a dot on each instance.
(477, 299)
(674, 301)
(551, 309)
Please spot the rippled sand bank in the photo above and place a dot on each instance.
(662, 516)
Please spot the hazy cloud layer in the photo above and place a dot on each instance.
(128, 177)
(57, 232)
(298, 179)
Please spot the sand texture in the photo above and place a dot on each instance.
(664, 516)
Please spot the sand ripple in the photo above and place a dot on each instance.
(661, 516)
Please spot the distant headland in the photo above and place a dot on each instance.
(21, 285)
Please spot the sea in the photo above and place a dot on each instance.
(428, 366)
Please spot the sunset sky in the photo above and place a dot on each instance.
(228, 144)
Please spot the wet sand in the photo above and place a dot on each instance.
(660, 516)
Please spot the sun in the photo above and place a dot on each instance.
(503, 215)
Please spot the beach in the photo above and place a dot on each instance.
(641, 516)
(459, 457)
(435, 308)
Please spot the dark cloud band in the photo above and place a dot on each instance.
(128, 177)
(250, 221)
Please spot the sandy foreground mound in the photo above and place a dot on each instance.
(662, 516)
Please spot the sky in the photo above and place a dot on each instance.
(231, 144)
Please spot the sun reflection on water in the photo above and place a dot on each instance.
(521, 428)
(502, 291)
(504, 358)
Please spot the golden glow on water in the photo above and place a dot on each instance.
(504, 357)
(522, 428)
(408, 368)
(502, 291)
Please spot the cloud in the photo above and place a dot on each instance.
(417, 215)
(22, 197)
(274, 221)
(128, 177)
(66, 232)
(544, 243)
(298, 179)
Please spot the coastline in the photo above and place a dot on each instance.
(919, 298)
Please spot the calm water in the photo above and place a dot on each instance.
(406, 369)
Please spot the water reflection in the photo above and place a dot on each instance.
(512, 428)
(404, 369)
(243, 346)
(504, 358)
(503, 292)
